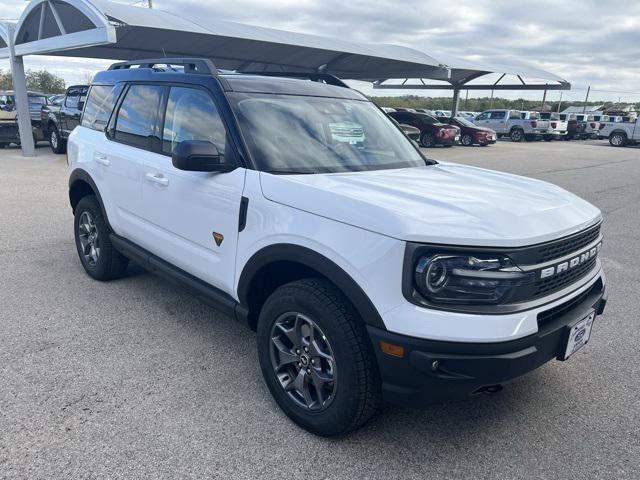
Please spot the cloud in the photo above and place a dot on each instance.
(587, 42)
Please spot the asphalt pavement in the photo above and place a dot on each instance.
(135, 379)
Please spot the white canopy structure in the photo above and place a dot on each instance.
(109, 30)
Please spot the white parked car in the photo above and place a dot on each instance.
(368, 271)
(510, 123)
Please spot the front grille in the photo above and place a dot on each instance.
(551, 251)
(548, 316)
(561, 280)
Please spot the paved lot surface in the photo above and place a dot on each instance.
(134, 379)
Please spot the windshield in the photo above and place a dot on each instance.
(465, 122)
(299, 134)
(37, 100)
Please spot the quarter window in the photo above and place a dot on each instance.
(136, 120)
(192, 115)
(100, 103)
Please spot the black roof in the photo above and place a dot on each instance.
(232, 81)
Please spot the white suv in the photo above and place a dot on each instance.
(368, 271)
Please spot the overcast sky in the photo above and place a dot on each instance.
(587, 42)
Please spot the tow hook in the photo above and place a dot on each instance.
(488, 390)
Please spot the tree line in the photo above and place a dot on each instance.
(37, 80)
(477, 104)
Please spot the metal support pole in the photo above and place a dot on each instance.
(466, 100)
(21, 97)
(584, 109)
(560, 102)
(491, 104)
(456, 101)
(544, 100)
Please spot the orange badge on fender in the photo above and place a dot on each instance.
(218, 237)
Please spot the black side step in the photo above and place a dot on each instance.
(196, 287)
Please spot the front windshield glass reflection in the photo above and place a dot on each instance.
(300, 134)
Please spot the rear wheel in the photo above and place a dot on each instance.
(316, 358)
(466, 140)
(427, 140)
(99, 259)
(618, 139)
(517, 135)
(58, 145)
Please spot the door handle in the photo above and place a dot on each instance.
(158, 178)
(102, 159)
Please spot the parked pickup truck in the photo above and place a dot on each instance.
(557, 128)
(59, 121)
(9, 118)
(621, 134)
(509, 123)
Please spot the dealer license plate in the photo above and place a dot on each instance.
(579, 335)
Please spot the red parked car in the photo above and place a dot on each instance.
(471, 134)
(432, 131)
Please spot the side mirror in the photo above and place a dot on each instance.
(199, 156)
(80, 105)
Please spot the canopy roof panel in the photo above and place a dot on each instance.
(103, 29)
(109, 30)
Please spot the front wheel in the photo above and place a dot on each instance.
(316, 358)
(466, 140)
(618, 140)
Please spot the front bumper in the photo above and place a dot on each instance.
(448, 141)
(435, 371)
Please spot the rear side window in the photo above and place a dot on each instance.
(100, 103)
(192, 115)
(74, 97)
(137, 115)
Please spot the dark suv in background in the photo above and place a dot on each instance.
(432, 131)
(58, 121)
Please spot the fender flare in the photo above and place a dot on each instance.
(319, 263)
(81, 175)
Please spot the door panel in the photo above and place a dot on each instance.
(184, 209)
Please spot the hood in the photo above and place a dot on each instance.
(444, 203)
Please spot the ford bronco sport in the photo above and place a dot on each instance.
(369, 272)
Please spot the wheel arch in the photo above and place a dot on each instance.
(276, 265)
(80, 185)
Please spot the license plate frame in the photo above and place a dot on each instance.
(578, 335)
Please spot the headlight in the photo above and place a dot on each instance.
(467, 279)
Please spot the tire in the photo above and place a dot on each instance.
(466, 140)
(548, 138)
(351, 392)
(97, 255)
(4, 145)
(517, 135)
(427, 140)
(618, 139)
(58, 145)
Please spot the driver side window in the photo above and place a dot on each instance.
(483, 116)
(192, 115)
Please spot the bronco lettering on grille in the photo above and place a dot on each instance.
(572, 263)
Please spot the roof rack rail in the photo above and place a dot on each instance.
(191, 65)
(313, 76)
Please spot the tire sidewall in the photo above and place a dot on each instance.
(345, 402)
(469, 142)
(622, 141)
(90, 204)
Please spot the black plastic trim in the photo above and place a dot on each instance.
(317, 262)
(196, 287)
(242, 218)
(80, 174)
